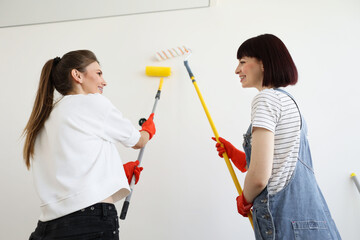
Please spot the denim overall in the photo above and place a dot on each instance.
(299, 210)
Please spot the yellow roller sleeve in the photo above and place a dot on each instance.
(158, 71)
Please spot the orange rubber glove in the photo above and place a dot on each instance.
(243, 206)
(149, 126)
(237, 157)
(131, 169)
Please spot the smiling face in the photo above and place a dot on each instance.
(251, 72)
(91, 81)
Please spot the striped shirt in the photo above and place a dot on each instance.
(277, 112)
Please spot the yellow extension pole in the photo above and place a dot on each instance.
(225, 156)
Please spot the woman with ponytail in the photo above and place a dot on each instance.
(70, 147)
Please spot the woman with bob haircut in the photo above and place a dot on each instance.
(70, 146)
(280, 184)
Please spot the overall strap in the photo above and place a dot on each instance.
(283, 91)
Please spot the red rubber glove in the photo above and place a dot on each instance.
(237, 157)
(131, 168)
(243, 206)
(149, 126)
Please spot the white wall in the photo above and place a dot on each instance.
(185, 191)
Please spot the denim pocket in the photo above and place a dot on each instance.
(256, 226)
(311, 229)
(263, 224)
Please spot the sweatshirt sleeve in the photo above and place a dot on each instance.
(117, 128)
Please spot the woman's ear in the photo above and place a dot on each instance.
(76, 75)
(262, 66)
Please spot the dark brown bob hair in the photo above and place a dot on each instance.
(279, 67)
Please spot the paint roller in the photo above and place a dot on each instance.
(158, 71)
(172, 52)
(179, 51)
(151, 71)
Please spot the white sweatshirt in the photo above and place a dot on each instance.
(76, 163)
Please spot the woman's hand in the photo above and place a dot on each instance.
(237, 157)
(243, 206)
(149, 126)
(132, 169)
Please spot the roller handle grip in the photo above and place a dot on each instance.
(141, 121)
(188, 69)
(124, 210)
(158, 94)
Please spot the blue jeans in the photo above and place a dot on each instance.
(97, 222)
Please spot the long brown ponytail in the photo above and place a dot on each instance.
(56, 74)
(41, 111)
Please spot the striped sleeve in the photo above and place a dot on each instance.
(265, 110)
